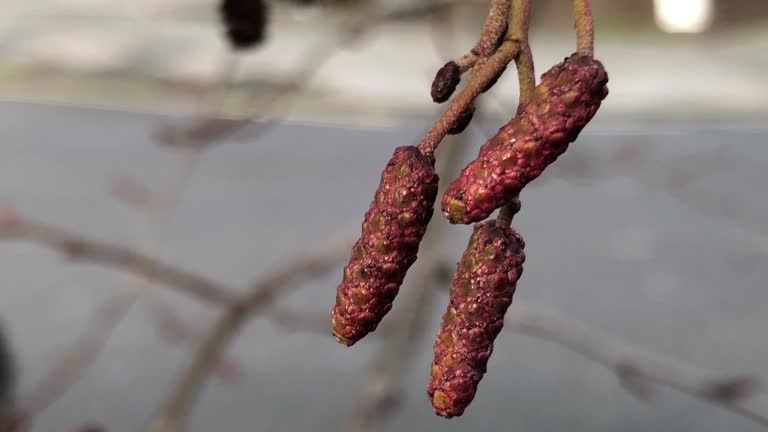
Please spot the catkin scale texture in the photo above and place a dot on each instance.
(565, 100)
(391, 233)
(482, 291)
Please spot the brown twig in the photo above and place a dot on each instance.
(638, 371)
(526, 78)
(81, 248)
(208, 129)
(734, 393)
(479, 80)
(494, 28)
(157, 206)
(260, 295)
(72, 363)
(489, 62)
(585, 27)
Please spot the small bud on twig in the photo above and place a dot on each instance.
(463, 121)
(446, 80)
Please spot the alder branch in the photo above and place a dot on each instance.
(260, 296)
(494, 28)
(207, 130)
(481, 77)
(734, 393)
(80, 248)
(526, 78)
(637, 371)
(157, 206)
(585, 27)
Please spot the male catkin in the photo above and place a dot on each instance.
(563, 103)
(392, 231)
(482, 290)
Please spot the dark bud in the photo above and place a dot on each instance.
(245, 22)
(463, 121)
(446, 80)
(495, 79)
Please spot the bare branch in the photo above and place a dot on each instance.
(734, 393)
(81, 248)
(585, 27)
(208, 129)
(85, 350)
(482, 76)
(261, 295)
(526, 78)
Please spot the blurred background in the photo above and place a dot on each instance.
(651, 228)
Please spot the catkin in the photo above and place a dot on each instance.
(565, 100)
(482, 290)
(392, 230)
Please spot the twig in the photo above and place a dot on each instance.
(111, 312)
(518, 30)
(86, 349)
(735, 394)
(208, 129)
(494, 28)
(526, 78)
(81, 248)
(260, 295)
(79, 355)
(480, 78)
(585, 27)
(508, 212)
(487, 60)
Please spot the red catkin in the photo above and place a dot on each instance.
(392, 230)
(482, 291)
(565, 100)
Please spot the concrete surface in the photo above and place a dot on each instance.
(611, 252)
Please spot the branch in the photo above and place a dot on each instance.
(81, 248)
(494, 28)
(736, 394)
(488, 60)
(585, 27)
(480, 79)
(207, 130)
(260, 295)
(526, 78)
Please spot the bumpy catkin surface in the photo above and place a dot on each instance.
(392, 231)
(482, 291)
(563, 103)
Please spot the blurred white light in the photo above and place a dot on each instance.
(683, 16)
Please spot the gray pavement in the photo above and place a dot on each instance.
(612, 252)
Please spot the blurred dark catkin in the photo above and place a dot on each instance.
(245, 22)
